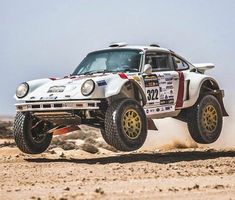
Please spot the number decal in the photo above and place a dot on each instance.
(152, 88)
(152, 94)
(159, 90)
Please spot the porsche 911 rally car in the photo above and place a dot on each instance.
(120, 89)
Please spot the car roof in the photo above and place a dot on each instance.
(144, 48)
(137, 47)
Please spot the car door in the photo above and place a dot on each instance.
(161, 86)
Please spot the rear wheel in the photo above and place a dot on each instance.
(205, 120)
(125, 125)
(30, 134)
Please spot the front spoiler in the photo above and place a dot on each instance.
(57, 105)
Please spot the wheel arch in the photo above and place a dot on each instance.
(199, 85)
(130, 89)
(139, 92)
(210, 86)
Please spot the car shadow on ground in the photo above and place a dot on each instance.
(160, 157)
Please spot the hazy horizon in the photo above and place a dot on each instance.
(49, 38)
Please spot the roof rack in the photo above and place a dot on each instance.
(154, 45)
(118, 44)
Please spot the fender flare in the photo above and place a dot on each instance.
(193, 89)
(142, 93)
(212, 88)
(219, 94)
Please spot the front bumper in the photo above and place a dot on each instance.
(57, 105)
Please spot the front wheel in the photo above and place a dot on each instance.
(205, 120)
(125, 125)
(31, 134)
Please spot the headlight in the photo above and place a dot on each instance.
(88, 87)
(22, 90)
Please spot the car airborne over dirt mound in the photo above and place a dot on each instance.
(120, 90)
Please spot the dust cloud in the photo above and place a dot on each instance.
(173, 133)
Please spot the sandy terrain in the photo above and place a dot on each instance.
(76, 174)
(71, 169)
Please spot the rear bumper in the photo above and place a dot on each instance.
(57, 105)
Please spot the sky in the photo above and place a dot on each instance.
(49, 38)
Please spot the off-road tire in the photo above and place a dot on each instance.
(113, 132)
(22, 132)
(196, 127)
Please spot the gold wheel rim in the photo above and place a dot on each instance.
(210, 118)
(131, 123)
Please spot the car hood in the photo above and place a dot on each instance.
(69, 88)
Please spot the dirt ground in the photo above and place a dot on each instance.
(197, 173)
(80, 165)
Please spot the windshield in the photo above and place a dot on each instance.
(118, 60)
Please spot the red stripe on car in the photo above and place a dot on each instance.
(123, 76)
(180, 96)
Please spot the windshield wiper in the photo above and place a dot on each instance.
(130, 70)
(106, 71)
(94, 72)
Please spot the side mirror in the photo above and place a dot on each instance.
(148, 69)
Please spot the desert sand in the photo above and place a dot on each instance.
(81, 166)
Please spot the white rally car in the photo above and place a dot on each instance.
(120, 90)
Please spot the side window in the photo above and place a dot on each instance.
(180, 64)
(159, 61)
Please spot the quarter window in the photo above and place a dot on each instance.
(180, 64)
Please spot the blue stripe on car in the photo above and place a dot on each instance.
(101, 83)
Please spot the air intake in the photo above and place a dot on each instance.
(120, 44)
(154, 45)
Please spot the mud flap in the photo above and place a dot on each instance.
(219, 94)
(151, 125)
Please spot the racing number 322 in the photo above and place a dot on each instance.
(152, 94)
